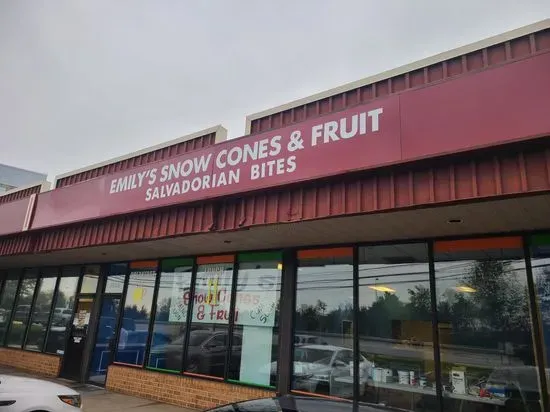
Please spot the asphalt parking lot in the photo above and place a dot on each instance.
(97, 399)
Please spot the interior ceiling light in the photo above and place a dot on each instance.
(465, 289)
(380, 288)
(454, 221)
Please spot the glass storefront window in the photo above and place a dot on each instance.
(20, 318)
(395, 327)
(254, 346)
(41, 310)
(134, 330)
(208, 337)
(90, 279)
(171, 315)
(323, 334)
(485, 329)
(7, 299)
(63, 309)
(540, 262)
(115, 278)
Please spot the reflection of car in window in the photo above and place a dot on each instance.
(316, 365)
(309, 340)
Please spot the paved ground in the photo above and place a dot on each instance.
(97, 399)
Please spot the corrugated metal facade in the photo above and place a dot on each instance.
(20, 194)
(181, 220)
(480, 60)
(164, 153)
(512, 170)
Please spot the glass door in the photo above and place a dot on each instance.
(74, 353)
(105, 339)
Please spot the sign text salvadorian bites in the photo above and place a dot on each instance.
(267, 158)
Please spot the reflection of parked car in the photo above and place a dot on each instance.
(316, 365)
(205, 353)
(308, 340)
(22, 313)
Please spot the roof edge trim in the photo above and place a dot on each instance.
(218, 130)
(419, 64)
(44, 187)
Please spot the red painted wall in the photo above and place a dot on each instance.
(488, 108)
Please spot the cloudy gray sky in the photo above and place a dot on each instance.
(83, 81)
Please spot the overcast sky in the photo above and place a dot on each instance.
(84, 81)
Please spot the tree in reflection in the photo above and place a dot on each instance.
(491, 307)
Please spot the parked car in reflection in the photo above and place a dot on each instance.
(291, 403)
(309, 340)
(316, 365)
(205, 352)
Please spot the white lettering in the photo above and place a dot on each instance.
(164, 174)
(219, 162)
(153, 176)
(148, 194)
(374, 115)
(362, 123)
(316, 132)
(196, 184)
(343, 129)
(254, 172)
(201, 164)
(291, 162)
(186, 168)
(141, 176)
(330, 132)
(275, 144)
(234, 156)
(113, 186)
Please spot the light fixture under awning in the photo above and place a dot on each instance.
(380, 288)
(465, 289)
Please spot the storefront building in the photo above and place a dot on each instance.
(386, 242)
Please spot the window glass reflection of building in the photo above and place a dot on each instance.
(134, 329)
(323, 334)
(254, 346)
(63, 309)
(22, 310)
(41, 310)
(7, 300)
(171, 315)
(484, 326)
(210, 306)
(395, 327)
(540, 247)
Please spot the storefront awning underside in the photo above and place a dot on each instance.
(518, 214)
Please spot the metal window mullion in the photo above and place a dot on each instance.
(231, 324)
(536, 325)
(355, 330)
(286, 322)
(121, 311)
(33, 303)
(435, 328)
(189, 319)
(153, 316)
(52, 308)
(14, 306)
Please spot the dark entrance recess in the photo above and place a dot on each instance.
(76, 344)
(105, 339)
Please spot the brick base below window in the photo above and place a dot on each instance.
(40, 363)
(177, 389)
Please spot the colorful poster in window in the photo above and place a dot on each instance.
(211, 303)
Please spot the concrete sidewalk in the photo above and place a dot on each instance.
(97, 399)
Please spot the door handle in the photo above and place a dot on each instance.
(6, 403)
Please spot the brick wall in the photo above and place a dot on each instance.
(40, 363)
(177, 389)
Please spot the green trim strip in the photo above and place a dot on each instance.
(251, 384)
(162, 370)
(261, 257)
(168, 265)
(540, 240)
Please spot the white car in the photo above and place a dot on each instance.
(20, 394)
